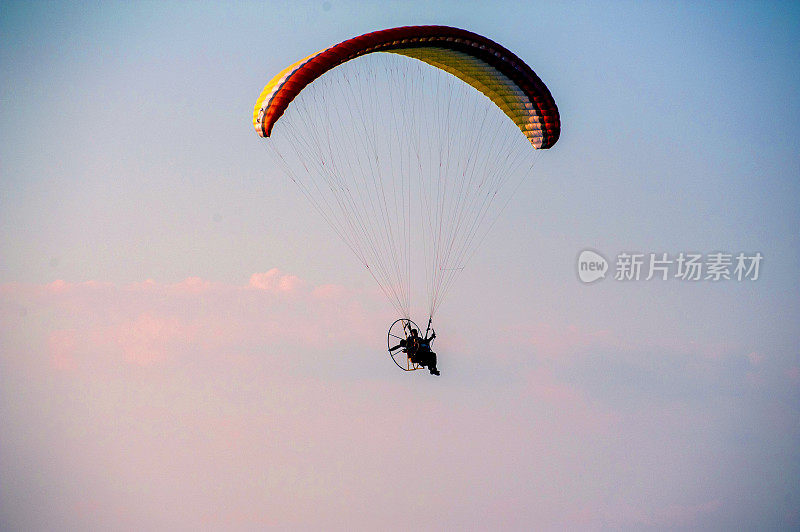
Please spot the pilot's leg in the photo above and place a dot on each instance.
(432, 363)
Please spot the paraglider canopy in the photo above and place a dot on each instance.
(490, 68)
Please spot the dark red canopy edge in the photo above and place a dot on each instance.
(472, 44)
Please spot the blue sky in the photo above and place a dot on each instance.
(127, 154)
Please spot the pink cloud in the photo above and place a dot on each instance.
(274, 279)
(147, 284)
(191, 285)
(329, 291)
(228, 419)
(149, 324)
(148, 339)
(58, 286)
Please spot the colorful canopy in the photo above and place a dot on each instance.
(490, 68)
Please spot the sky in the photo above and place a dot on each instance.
(184, 344)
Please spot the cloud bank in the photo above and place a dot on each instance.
(271, 404)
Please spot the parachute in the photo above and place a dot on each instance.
(407, 142)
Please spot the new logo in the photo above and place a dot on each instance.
(591, 266)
